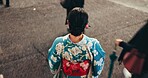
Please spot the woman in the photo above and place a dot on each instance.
(70, 4)
(76, 3)
(77, 53)
(139, 42)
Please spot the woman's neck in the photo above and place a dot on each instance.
(76, 39)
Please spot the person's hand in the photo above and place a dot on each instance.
(117, 41)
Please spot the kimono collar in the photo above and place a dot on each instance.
(83, 41)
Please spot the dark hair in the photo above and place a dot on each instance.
(140, 39)
(78, 19)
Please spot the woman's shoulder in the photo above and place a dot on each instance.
(61, 38)
(91, 39)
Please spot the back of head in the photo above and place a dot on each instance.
(78, 19)
(140, 39)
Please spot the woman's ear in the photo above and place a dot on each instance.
(67, 22)
(87, 26)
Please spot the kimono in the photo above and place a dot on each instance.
(63, 47)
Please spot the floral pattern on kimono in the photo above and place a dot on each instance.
(63, 47)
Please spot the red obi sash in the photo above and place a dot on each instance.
(75, 69)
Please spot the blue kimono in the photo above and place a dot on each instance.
(63, 47)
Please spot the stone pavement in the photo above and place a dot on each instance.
(29, 27)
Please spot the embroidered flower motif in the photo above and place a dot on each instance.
(59, 48)
(88, 56)
(84, 66)
(89, 44)
(84, 48)
(50, 64)
(75, 51)
(99, 72)
(99, 63)
(67, 64)
(101, 60)
(54, 59)
(67, 56)
(74, 61)
(95, 62)
(95, 53)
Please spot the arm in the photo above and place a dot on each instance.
(54, 56)
(98, 60)
(126, 47)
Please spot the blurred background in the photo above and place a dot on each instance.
(28, 28)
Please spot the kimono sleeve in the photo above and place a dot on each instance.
(54, 55)
(98, 59)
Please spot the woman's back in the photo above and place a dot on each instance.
(67, 51)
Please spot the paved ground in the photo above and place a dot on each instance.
(25, 32)
(141, 5)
